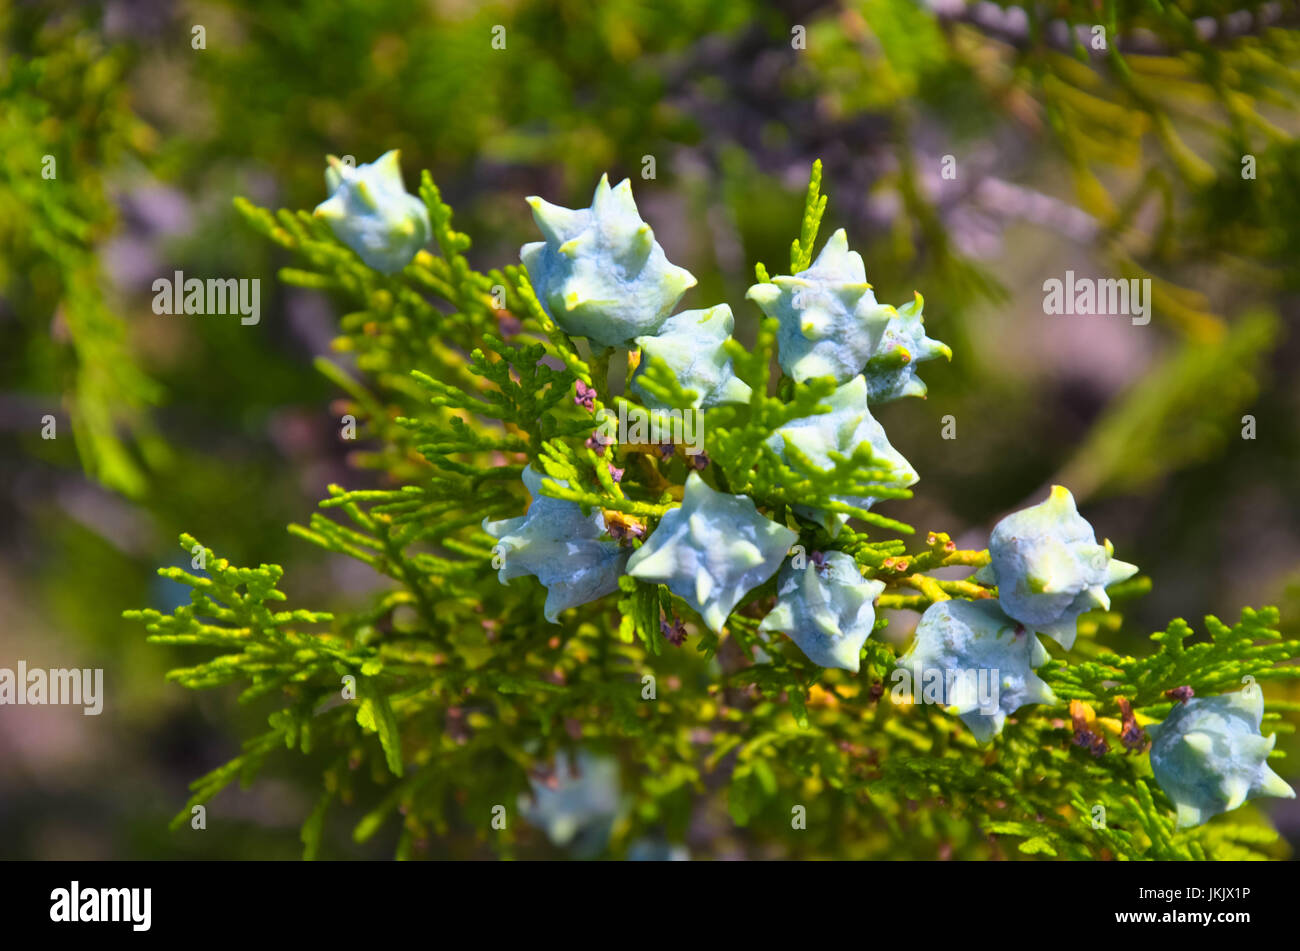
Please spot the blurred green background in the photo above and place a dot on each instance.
(1119, 162)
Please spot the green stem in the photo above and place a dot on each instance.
(600, 369)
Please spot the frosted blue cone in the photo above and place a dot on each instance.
(891, 371)
(370, 211)
(690, 343)
(560, 546)
(574, 808)
(970, 637)
(830, 323)
(828, 609)
(848, 425)
(1209, 757)
(657, 850)
(712, 551)
(600, 273)
(1049, 568)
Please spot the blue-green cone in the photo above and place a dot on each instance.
(690, 343)
(370, 211)
(574, 808)
(561, 546)
(826, 609)
(1049, 568)
(1209, 757)
(712, 550)
(600, 273)
(891, 371)
(830, 323)
(842, 430)
(974, 644)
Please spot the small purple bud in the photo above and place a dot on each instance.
(674, 633)
(597, 442)
(585, 396)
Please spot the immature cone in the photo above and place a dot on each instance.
(561, 546)
(600, 273)
(370, 211)
(827, 609)
(569, 806)
(972, 643)
(1209, 757)
(848, 425)
(690, 343)
(891, 371)
(712, 550)
(830, 323)
(1049, 568)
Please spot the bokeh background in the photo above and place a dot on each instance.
(1124, 162)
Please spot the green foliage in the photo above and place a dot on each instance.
(66, 119)
(1251, 648)
(736, 437)
(460, 692)
(732, 114)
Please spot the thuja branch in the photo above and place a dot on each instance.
(546, 560)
